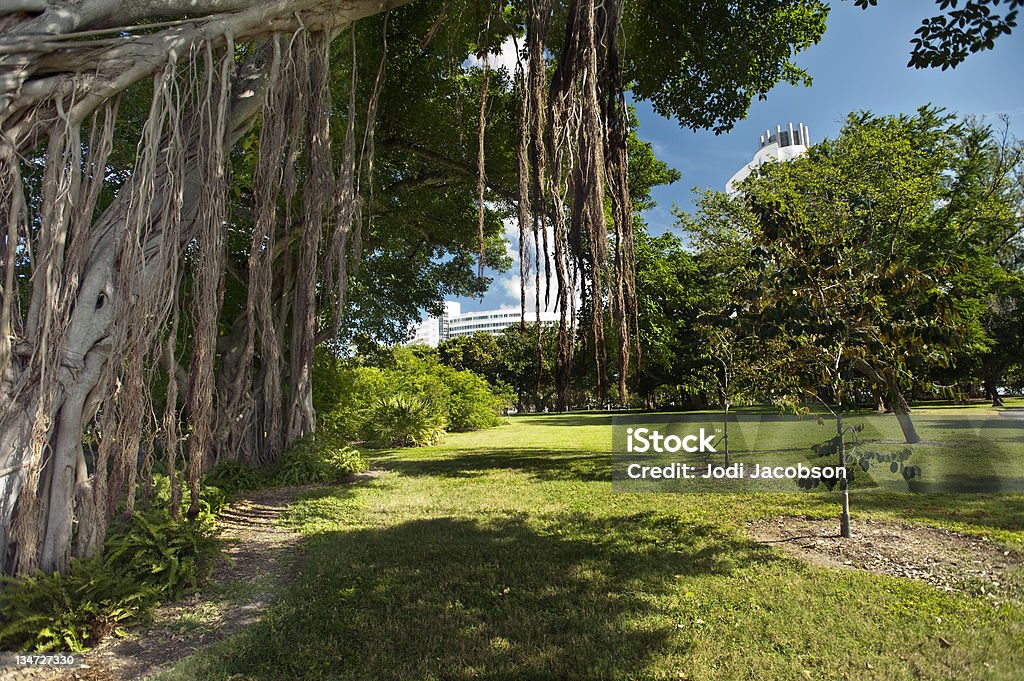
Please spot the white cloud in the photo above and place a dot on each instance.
(506, 58)
(509, 287)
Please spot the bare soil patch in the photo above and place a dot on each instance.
(944, 559)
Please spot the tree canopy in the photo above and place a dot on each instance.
(872, 256)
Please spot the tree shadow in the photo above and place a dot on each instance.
(542, 464)
(974, 484)
(448, 598)
(1011, 425)
(1000, 512)
(635, 417)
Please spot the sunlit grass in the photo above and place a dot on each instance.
(506, 554)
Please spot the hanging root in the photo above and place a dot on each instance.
(13, 241)
(316, 196)
(167, 221)
(578, 129)
(346, 209)
(523, 116)
(539, 20)
(481, 157)
(369, 150)
(208, 265)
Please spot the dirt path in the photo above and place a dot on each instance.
(944, 559)
(260, 557)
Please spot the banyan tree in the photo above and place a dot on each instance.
(115, 212)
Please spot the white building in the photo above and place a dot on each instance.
(784, 144)
(454, 323)
(426, 333)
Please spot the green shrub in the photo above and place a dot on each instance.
(358, 401)
(231, 477)
(472, 403)
(43, 612)
(211, 498)
(344, 395)
(321, 457)
(153, 558)
(404, 420)
(161, 553)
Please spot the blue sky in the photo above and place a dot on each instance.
(860, 64)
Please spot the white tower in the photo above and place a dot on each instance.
(784, 144)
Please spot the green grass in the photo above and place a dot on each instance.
(969, 450)
(505, 554)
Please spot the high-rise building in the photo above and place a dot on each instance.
(454, 323)
(784, 144)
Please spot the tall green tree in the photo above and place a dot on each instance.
(480, 353)
(870, 256)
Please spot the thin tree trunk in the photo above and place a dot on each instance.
(992, 391)
(844, 489)
(902, 411)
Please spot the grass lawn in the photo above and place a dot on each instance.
(506, 554)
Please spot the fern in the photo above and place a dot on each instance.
(153, 558)
(234, 476)
(322, 457)
(404, 421)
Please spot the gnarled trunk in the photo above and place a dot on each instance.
(75, 348)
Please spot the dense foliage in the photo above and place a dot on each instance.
(402, 396)
(881, 262)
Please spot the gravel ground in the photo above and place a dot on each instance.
(944, 559)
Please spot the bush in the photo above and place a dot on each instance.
(404, 421)
(472, 404)
(153, 558)
(211, 498)
(44, 612)
(360, 401)
(234, 476)
(344, 395)
(321, 457)
(164, 554)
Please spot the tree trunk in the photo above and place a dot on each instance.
(844, 488)
(992, 391)
(65, 468)
(879, 397)
(902, 411)
(884, 383)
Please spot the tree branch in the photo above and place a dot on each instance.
(442, 160)
(89, 74)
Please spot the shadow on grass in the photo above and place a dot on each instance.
(634, 417)
(1013, 426)
(999, 512)
(542, 464)
(567, 596)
